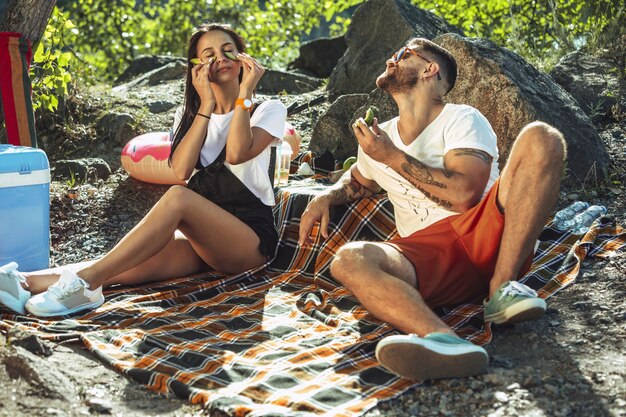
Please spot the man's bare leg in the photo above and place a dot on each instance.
(529, 189)
(385, 283)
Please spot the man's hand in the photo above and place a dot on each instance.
(375, 142)
(318, 210)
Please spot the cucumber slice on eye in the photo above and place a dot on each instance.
(231, 56)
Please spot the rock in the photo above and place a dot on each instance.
(160, 106)
(276, 82)
(116, 127)
(333, 132)
(85, 169)
(319, 57)
(39, 374)
(378, 29)
(592, 81)
(387, 108)
(146, 63)
(32, 343)
(99, 405)
(501, 397)
(174, 71)
(512, 93)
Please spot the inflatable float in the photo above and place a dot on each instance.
(145, 157)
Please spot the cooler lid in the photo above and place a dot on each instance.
(22, 159)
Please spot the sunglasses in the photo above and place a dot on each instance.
(403, 53)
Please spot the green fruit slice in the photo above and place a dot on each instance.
(348, 163)
(371, 113)
(231, 56)
(195, 61)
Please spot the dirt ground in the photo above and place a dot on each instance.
(572, 362)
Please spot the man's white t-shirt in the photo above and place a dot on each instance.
(457, 126)
(269, 116)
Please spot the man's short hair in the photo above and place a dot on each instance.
(447, 63)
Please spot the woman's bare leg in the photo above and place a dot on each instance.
(217, 238)
(177, 259)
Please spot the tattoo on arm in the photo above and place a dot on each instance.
(348, 189)
(443, 203)
(482, 155)
(417, 172)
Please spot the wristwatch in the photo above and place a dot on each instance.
(245, 103)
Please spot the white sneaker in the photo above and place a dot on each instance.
(68, 295)
(12, 293)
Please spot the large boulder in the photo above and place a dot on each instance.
(276, 82)
(592, 81)
(145, 63)
(319, 56)
(378, 29)
(387, 107)
(512, 93)
(332, 131)
(174, 71)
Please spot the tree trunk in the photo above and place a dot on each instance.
(28, 17)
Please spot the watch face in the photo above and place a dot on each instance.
(247, 103)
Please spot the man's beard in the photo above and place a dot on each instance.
(397, 81)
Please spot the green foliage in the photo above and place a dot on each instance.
(49, 71)
(540, 31)
(111, 33)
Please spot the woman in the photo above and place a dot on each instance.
(222, 220)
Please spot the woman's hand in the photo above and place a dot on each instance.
(252, 73)
(200, 80)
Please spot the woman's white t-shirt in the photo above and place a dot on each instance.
(269, 116)
(457, 126)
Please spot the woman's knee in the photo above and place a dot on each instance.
(539, 138)
(176, 197)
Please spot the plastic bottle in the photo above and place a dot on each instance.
(568, 214)
(580, 224)
(283, 161)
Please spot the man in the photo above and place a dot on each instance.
(464, 231)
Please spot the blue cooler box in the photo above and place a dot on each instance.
(24, 207)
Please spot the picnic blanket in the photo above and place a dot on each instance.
(284, 339)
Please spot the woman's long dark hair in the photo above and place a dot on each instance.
(192, 99)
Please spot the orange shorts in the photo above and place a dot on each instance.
(454, 259)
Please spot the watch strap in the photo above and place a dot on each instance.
(242, 103)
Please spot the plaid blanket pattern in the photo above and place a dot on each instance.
(284, 339)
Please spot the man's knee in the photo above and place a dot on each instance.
(348, 259)
(545, 140)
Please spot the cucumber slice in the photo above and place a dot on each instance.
(371, 113)
(231, 56)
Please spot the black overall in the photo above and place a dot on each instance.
(218, 184)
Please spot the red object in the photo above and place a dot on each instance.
(454, 259)
(145, 158)
(15, 88)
